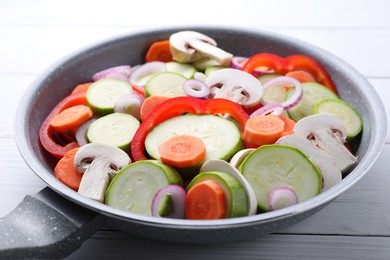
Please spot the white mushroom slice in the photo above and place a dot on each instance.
(328, 133)
(95, 180)
(239, 157)
(223, 166)
(190, 46)
(98, 162)
(235, 85)
(330, 172)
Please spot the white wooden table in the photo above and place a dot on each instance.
(34, 34)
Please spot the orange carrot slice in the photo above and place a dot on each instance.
(150, 104)
(260, 130)
(65, 171)
(159, 51)
(82, 88)
(182, 151)
(301, 76)
(71, 118)
(206, 200)
(289, 125)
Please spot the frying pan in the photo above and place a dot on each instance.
(55, 221)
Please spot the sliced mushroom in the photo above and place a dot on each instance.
(99, 162)
(330, 172)
(328, 133)
(190, 46)
(235, 85)
(240, 156)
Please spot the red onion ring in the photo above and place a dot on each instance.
(284, 80)
(281, 197)
(117, 75)
(196, 88)
(238, 62)
(81, 133)
(178, 196)
(144, 70)
(129, 104)
(123, 70)
(272, 108)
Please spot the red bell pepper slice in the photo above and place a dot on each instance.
(178, 106)
(224, 106)
(47, 133)
(269, 60)
(290, 63)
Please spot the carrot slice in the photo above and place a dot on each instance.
(82, 87)
(206, 200)
(260, 130)
(301, 76)
(150, 104)
(182, 151)
(289, 125)
(159, 51)
(71, 118)
(65, 171)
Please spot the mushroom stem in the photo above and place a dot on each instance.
(328, 133)
(235, 94)
(99, 162)
(95, 180)
(235, 85)
(330, 142)
(330, 172)
(222, 57)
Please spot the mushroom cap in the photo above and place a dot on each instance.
(235, 85)
(320, 123)
(180, 47)
(190, 46)
(328, 133)
(116, 157)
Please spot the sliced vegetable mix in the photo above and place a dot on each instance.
(198, 133)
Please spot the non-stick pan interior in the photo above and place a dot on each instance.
(58, 80)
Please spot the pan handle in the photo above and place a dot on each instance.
(46, 225)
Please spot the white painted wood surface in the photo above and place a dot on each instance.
(34, 34)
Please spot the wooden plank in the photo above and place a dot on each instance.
(279, 13)
(16, 178)
(383, 89)
(45, 45)
(115, 245)
(13, 86)
(364, 49)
